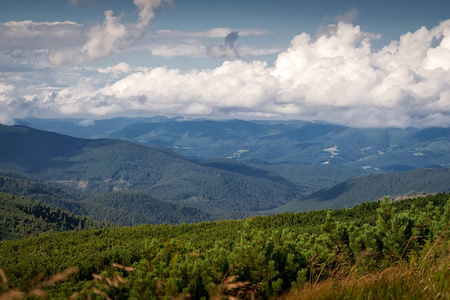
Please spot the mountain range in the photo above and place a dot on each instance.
(95, 167)
(368, 150)
(129, 171)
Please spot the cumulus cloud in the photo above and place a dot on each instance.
(119, 68)
(228, 50)
(110, 36)
(335, 77)
(5, 91)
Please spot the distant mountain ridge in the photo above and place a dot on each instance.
(372, 187)
(370, 150)
(274, 166)
(96, 167)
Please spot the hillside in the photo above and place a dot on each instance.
(372, 187)
(20, 218)
(124, 208)
(95, 167)
(133, 208)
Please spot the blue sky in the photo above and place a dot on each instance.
(358, 63)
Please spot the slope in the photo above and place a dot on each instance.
(20, 218)
(95, 167)
(372, 187)
(125, 208)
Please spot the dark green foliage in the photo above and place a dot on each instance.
(125, 208)
(261, 256)
(132, 208)
(20, 218)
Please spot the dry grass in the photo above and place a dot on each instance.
(428, 278)
(13, 293)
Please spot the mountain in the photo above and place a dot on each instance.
(373, 187)
(368, 150)
(83, 128)
(312, 177)
(95, 167)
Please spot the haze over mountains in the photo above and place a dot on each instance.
(153, 170)
(370, 149)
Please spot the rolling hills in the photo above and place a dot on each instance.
(127, 183)
(95, 167)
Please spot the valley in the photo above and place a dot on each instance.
(130, 171)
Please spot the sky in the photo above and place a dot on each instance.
(356, 63)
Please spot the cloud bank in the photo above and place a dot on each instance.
(335, 76)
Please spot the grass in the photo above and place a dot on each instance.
(425, 278)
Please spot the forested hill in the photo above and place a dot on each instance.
(373, 187)
(95, 167)
(20, 218)
(124, 208)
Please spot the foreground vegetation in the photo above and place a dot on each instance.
(374, 250)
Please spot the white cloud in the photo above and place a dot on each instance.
(86, 122)
(44, 44)
(110, 36)
(119, 68)
(220, 32)
(228, 50)
(29, 35)
(336, 77)
(5, 119)
(197, 49)
(5, 90)
(172, 43)
(177, 49)
(29, 43)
